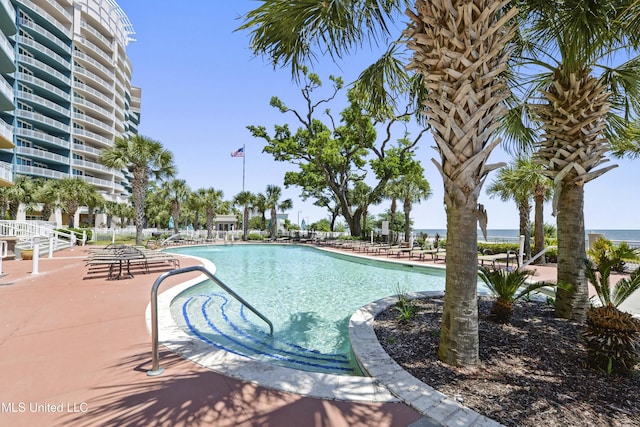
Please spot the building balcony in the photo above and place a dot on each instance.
(85, 149)
(7, 18)
(43, 103)
(6, 174)
(93, 107)
(86, 74)
(93, 137)
(49, 18)
(7, 56)
(96, 51)
(6, 95)
(94, 66)
(51, 90)
(42, 138)
(96, 36)
(45, 37)
(40, 171)
(43, 53)
(88, 91)
(48, 70)
(6, 135)
(97, 181)
(42, 121)
(38, 154)
(93, 166)
(92, 122)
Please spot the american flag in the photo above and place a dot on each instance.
(238, 153)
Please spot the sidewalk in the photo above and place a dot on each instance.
(75, 352)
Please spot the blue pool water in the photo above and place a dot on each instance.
(308, 294)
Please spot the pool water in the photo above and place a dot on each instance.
(308, 294)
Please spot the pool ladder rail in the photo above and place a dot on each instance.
(155, 355)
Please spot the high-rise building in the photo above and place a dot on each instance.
(7, 67)
(65, 91)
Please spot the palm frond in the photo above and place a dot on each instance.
(382, 83)
(625, 287)
(293, 33)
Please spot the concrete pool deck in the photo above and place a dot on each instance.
(75, 351)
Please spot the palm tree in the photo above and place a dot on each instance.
(413, 188)
(211, 199)
(45, 195)
(21, 192)
(244, 199)
(393, 192)
(73, 193)
(273, 194)
(510, 185)
(583, 103)
(459, 55)
(360, 197)
(260, 204)
(176, 192)
(145, 159)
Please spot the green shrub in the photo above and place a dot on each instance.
(504, 285)
(611, 338)
(255, 236)
(498, 248)
(404, 306)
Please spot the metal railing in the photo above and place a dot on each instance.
(155, 367)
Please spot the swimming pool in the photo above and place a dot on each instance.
(307, 293)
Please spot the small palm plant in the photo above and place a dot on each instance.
(612, 336)
(504, 285)
(603, 250)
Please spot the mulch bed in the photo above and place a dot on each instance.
(532, 371)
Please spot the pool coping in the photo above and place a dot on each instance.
(310, 384)
(375, 362)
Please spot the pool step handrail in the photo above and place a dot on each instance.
(155, 366)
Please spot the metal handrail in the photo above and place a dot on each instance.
(155, 367)
(536, 256)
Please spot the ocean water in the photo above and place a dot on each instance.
(511, 235)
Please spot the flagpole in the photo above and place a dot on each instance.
(244, 152)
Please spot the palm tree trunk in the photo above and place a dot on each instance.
(459, 343)
(274, 223)
(245, 224)
(538, 227)
(138, 203)
(407, 220)
(525, 227)
(571, 253)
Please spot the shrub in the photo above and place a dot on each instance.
(603, 250)
(611, 338)
(504, 285)
(255, 236)
(404, 306)
(498, 248)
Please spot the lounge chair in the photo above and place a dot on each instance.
(493, 258)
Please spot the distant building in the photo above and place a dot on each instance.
(65, 91)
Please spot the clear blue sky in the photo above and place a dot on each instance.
(201, 87)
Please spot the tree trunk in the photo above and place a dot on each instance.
(572, 304)
(407, 220)
(525, 227)
(459, 343)
(245, 224)
(538, 227)
(274, 223)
